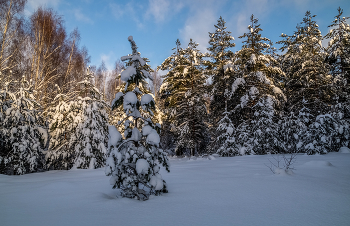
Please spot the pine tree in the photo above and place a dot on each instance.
(258, 102)
(305, 67)
(24, 133)
(134, 166)
(339, 47)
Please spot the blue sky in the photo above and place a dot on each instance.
(105, 25)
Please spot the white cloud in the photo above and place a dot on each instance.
(202, 17)
(129, 10)
(197, 27)
(159, 9)
(81, 17)
(33, 5)
(163, 10)
(262, 8)
(117, 10)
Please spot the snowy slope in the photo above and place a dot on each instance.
(224, 191)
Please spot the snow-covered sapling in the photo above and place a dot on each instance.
(134, 162)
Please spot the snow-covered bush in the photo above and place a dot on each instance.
(319, 136)
(23, 133)
(225, 141)
(79, 130)
(134, 164)
(291, 128)
(92, 136)
(64, 119)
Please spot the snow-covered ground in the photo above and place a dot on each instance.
(223, 191)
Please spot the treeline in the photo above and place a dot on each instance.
(47, 95)
(259, 100)
(55, 112)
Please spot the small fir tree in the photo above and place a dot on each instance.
(134, 166)
(225, 141)
(318, 139)
(342, 127)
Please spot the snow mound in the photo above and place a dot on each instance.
(157, 182)
(318, 164)
(136, 135)
(153, 138)
(127, 73)
(114, 136)
(344, 150)
(281, 172)
(146, 99)
(210, 157)
(142, 166)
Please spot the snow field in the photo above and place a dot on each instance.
(223, 191)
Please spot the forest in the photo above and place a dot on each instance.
(59, 113)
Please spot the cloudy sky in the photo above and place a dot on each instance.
(105, 25)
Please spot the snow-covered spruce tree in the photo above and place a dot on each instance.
(219, 68)
(225, 141)
(342, 127)
(170, 94)
(257, 100)
(184, 90)
(92, 131)
(292, 126)
(5, 103)
(191, 111)
(306, 71)
(318, 139)
(134, 165)
(220, 43)
(78, 129)
(117, 114)
(24, 133)
(64, 118)
(339, 48)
